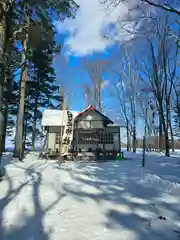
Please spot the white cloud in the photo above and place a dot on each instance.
(86, 31)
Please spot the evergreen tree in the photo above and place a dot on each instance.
(42, 88)
(35, 16)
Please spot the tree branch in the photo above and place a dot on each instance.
(164, 7)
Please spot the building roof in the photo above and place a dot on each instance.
(52, 117)
(91, 108)
(122, 124)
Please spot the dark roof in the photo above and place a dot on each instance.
(91, 108)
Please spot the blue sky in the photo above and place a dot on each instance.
(96, 33)
(71, 74)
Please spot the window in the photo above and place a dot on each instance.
(106, 138)
(58, 138)
(109, 138)
(96, 124)
(84, 124)
(96, 138)
(88, 138)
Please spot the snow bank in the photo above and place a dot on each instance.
(161, 184)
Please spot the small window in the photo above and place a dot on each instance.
(108, 138)
(96, 124)
(94, 138)
(88, 138)
(84, 124)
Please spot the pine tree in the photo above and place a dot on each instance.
(6, 18)
(42, 88)
(34, 16)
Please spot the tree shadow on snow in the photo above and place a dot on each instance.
(11, 194)
(166, 168)
(7, 158)
(134, 203)
(28, 226)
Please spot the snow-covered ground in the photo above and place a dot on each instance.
(44, 200)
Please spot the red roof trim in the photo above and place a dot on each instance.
(94, 109)
(88, 108)
(91, 108)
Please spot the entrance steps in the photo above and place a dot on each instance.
(86, 156)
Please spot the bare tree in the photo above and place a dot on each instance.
(95, 69)
(125, 82)
(155, 3)
(165, 6)
(132, 81)
(123, 108)
(163, 60)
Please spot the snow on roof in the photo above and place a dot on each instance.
(113, 125)
(52, 117)
(90, 107)
(121, 124)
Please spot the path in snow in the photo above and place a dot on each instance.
(43, 200)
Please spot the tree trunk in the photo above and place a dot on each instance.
(2, 52)
(169, 126)
(99, 101)
(19, 149)
(33, 134)
(7, 92)
(35, 114)
(179, 120)
(34, 129)
(5, 127)
(24, 133)
(172, 137)
(134, 132)
(5, 78)
(128, 139)
(134, 139)
(98, 97)
(160, 140)
(165, 129)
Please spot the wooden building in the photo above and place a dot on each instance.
(89, 130)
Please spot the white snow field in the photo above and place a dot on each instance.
(44, 200)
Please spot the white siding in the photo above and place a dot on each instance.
(52, 141)
(52, 137)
